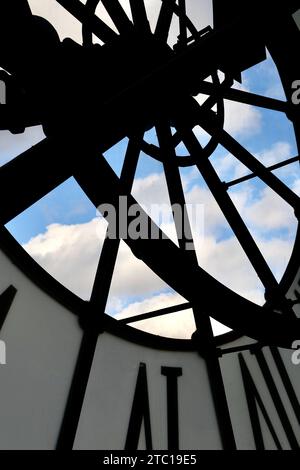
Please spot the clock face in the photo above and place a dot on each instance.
(148, 75)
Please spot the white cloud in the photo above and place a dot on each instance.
(280, 217)
(151, 190)
(175, 325)
(226, 261)
(268, 74)
(70, 253)
(213, 219)
(229, 167)
(296, 186)
(242, 119)
(152, 194)
(132, 277)
(277, 252)
(278, 152)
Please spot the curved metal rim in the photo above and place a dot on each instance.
(78, 307)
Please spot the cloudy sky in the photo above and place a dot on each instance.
(64, 233)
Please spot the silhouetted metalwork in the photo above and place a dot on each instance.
(88, 97)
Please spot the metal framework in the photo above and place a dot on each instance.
(41, 75)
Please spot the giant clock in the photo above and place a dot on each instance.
(76, 378)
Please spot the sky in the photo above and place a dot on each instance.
(64, 233)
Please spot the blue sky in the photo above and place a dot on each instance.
(63, 233)
(68, 204)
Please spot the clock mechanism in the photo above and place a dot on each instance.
(127, 77)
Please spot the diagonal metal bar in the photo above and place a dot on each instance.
(101, 185)
(204, 333)
(245, 97)
(216, 97)
(139, 15)
(30, 176)
(97, 304)
(182, 22)
(70, 420)
(111, 246)
(87, 35)
(270, 168)
(208, 121)
(156, 313)
(230, 212)
(6, 300)
(164, 21)
(92, 22)
(118, 16)
(174, 184)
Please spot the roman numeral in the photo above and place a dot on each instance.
(255, 401)
(141, 409)
(172, 374)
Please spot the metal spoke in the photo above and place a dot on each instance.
(164, 20)
(111, 246)
(157, 313)
(101, 185)
(139, 15)
(204, 333)
(208, 121)
(216, 96)
(93, 324)
(182, 22)
(230, 212)
(30, 176)
(183, 229)
(92, 22)
(87, 35)
(118, 16)
(245, 97)
(276, 166)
